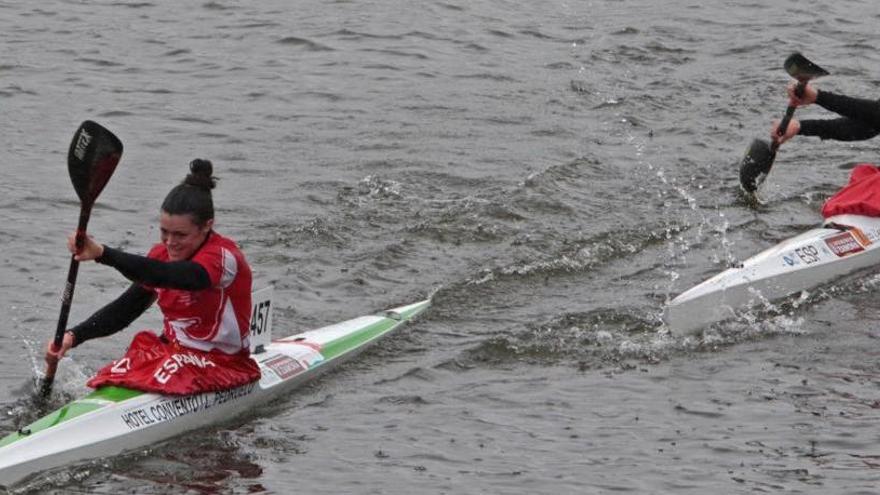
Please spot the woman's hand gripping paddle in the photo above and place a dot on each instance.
(760, 155)
(91, 160)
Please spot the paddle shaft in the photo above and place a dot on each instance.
(67, 297)
(789, 113)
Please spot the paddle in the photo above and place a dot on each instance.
(760, 155)
(91, 160)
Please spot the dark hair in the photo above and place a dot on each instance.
(193, 195)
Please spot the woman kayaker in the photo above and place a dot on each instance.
(860, 118)
(202, 283)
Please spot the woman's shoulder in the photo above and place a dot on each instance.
(218, 243)
(220, 251)
(220, 240)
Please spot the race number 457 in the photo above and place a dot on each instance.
(261, 319)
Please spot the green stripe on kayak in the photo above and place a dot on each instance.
(340, 346)
(114, 394)
(356, 339)
(66, 413)
(77, 408)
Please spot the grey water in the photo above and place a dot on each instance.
(551, 173)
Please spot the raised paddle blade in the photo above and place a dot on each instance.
(802, 69)
(91, 160)
(756, 165)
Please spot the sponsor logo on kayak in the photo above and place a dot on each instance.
(860, 236)
(170, 409)
(844, 244)
(307, 353)
(284, 366)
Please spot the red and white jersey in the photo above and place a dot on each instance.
(217, 318)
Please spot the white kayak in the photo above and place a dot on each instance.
(113, 420)
(842, 245)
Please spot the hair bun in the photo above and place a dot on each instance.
(201, 174)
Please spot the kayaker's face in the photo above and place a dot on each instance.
(181, 236)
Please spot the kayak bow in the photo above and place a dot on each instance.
(844, 244)
(113, 420)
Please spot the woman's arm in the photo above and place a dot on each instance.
(116, 315)
(184, 275)
(862, 110)
(842, 129)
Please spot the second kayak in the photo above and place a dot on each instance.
(842, 245)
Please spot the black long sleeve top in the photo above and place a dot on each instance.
(860, 118)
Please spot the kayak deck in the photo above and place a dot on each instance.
(112, 420)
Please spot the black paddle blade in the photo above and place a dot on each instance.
(802, 69)
(756, 165)
(91, 160)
